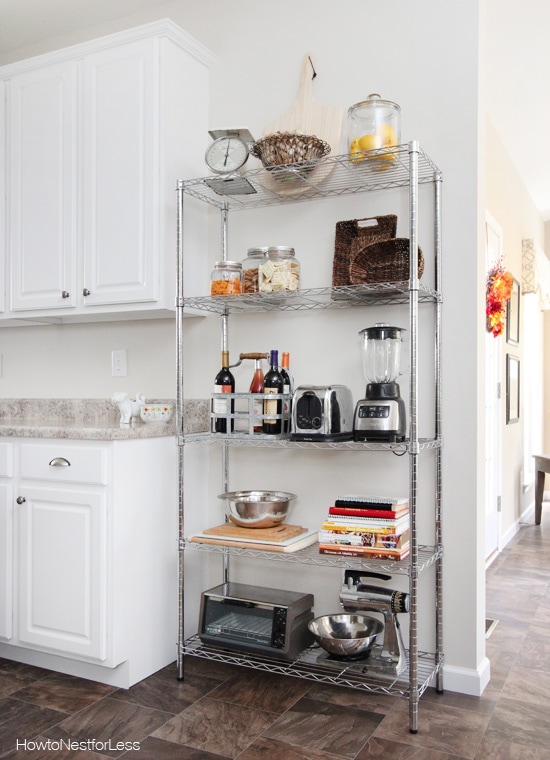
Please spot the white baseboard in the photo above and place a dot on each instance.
(465, 681)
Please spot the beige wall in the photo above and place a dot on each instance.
(510, 205)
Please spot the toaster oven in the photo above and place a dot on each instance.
(255, 619)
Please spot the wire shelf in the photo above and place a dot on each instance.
(342, 297)
(324, 178)
(266, 441)
(427, 555)
(313, 668)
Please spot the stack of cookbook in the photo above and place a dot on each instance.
(367, 526)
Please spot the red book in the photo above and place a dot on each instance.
(390, 514)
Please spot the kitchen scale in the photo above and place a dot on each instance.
(381, 415)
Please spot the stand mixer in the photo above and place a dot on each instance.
(357, 597)
(381, 415)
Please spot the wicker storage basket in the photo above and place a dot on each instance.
(352, 236)
(288, 148)
(384, 261)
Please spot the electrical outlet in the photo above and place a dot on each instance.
(118, 362)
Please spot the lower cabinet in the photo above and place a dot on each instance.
(88, 562)
(63, 571)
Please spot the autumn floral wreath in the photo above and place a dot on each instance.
(499, 289)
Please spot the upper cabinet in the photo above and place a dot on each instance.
(96, 138)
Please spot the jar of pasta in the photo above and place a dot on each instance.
(226, 278)
(280, 271)
(254, 257)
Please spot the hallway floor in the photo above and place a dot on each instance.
(221, 711)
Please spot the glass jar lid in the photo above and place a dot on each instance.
(281, 249)
(228, 265)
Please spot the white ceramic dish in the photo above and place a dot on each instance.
(156, 412)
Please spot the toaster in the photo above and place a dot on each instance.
(322, 413)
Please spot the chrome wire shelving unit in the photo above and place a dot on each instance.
(313, 666)
(330, 177)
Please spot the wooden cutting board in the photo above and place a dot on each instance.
(308, 116)
(278, 533)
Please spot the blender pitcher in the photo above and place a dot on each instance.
(381, 415)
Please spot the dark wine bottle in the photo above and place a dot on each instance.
(288, 389)
(224, 383)
(273, 383)
(257, 386)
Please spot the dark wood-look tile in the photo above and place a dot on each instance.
(516, 722)
(65, 693)
(208, 668)
(110, 720)
(483, 705)
(535, 651)
(528, 686)
(158, 749)
(495, 749)
(162, 691)
(23, 671)
(20, 721)
(440, 727)
(268, 749)
(219, 727)
(340, 695)
(386, 749)
(331, 728)
(261, 691)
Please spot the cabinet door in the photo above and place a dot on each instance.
(63, 571)
(6, 560)
(121, 112)
(42, 146)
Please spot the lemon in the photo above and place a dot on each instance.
(370, 142)
(387, 135)
(354, 154)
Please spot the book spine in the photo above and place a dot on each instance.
(366, 540)
(369, 501)
(356, 551)
(396, 526)
(388, 514)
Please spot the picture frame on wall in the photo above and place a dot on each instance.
(512, 315)
(512, 389)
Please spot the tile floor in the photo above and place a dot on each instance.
(221, 711)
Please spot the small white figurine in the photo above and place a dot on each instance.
(128, 407)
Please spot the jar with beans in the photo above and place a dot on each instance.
(254, 258)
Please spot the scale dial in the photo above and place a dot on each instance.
(227, 154)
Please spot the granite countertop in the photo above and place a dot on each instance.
(90, 419)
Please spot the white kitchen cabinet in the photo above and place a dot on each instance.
(96, 137)
(63, 571)
(89, 563)
(6, 540)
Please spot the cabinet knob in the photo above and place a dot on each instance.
(20, 500)
(85, 292)
(65, 294)
(59, 462)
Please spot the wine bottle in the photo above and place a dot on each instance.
(288, 388)
(224, 383)
(273, 383)
(257, 386)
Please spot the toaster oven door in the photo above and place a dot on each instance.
(233, 621)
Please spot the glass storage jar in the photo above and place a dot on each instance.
(226, 278)
(373, 124)
(280, 271)
(251, 264)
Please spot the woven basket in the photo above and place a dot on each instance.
(288, 148)
(352, 236)
(384, 261)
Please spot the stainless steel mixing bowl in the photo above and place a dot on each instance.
(257, 509)
(346, 635)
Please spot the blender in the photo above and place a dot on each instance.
(381, 415)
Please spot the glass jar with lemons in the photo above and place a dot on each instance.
(373, 125)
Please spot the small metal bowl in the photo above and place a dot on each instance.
(257, 509)
(346, 635)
